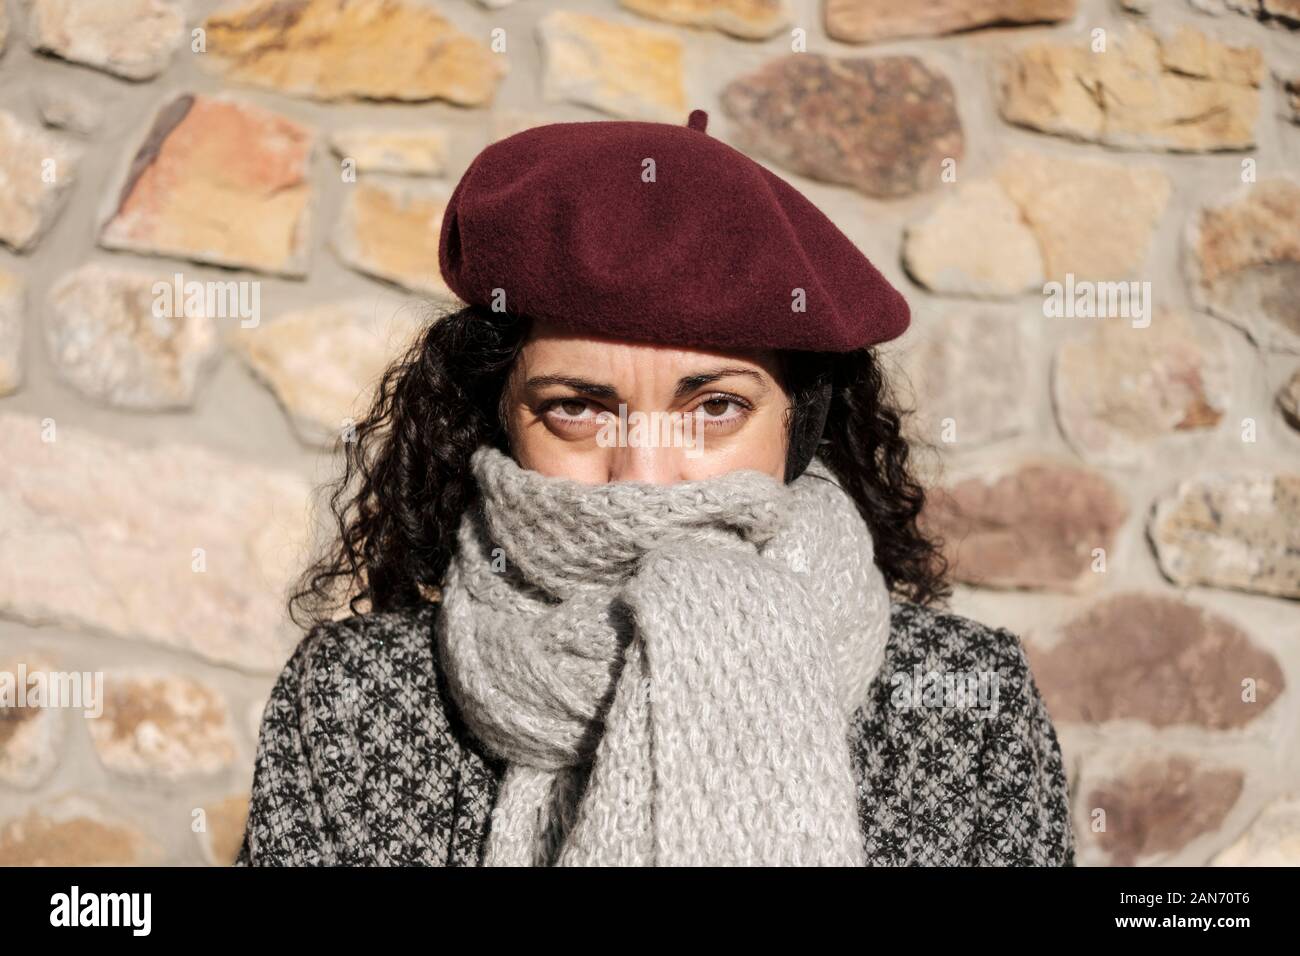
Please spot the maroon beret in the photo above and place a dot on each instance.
(708, 253)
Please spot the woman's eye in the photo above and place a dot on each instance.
(571, 412)
(721, 410)
(572, 407)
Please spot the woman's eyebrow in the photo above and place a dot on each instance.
(690, 383)
(594, 389)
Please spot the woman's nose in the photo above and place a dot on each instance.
(659, 465)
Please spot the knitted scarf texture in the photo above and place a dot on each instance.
(667, 670)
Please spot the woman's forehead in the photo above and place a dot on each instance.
(551, 344)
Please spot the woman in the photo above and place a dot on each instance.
(631, 562)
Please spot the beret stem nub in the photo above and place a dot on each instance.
(698, 120)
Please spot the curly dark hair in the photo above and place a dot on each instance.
(406, 479)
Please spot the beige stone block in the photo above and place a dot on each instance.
(221, 181)
(342, 49)
(624, 70)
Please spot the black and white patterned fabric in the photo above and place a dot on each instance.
(361, 761)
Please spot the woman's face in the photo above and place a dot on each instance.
(688, 413)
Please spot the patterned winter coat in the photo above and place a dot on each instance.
(363, 761)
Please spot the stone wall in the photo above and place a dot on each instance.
(1115, 466)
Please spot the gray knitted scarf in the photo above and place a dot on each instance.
(668, 670)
